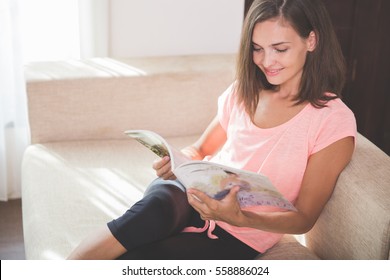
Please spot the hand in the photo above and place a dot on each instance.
(163, 168)
(227, 210)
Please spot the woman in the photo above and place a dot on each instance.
(282, 117)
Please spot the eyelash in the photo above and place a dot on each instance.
(281, 51)
(277, 50)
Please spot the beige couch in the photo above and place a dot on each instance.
(81, 171)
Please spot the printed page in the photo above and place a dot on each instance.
(217, 180)
(158, 145)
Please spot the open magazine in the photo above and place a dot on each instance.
(214, 179)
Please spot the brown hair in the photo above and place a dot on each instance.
(324, 69)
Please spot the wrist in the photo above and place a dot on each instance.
(245, 219)
(191, 152)
(238, 220)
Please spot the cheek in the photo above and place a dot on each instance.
(257, 59)
(298, 59)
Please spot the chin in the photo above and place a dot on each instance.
(274, 82)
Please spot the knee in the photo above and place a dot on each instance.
(167, 199)
(171, 205)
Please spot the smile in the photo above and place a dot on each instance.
(272, 72)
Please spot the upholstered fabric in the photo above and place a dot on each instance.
(83, 106)
(71, 188)
(82, 171)
(356, 221)
(288, 249)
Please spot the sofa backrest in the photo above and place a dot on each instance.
(99, 99)
(177, 96)
(355, 223)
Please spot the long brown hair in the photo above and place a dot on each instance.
(324, 69)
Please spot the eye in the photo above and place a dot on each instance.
(281, 50)
(256, 48)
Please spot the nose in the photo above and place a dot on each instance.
(268, 59)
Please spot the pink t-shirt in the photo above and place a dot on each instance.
(281, 152)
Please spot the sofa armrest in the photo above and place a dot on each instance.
(355, 223)
(99, 99)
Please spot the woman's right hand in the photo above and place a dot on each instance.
(163, 168)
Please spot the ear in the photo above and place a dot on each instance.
(311, 41)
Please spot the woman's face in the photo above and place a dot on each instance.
(280, 52)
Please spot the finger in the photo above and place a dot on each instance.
(159, 163)
(202, 203)
(232, 195)
(198, 205)
(193, 200)
(168, 175)
(171, 176)
(164, 171)
(200, 196)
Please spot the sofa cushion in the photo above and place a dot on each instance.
(72, 188)
(288, 248)
(94, 181)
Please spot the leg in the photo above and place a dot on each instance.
(194, 246)
(101, 245)
(163, 211)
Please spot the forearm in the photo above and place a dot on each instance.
(209, 142)
(320, 178)
(192, 152)
(289, 222)
(228, 210)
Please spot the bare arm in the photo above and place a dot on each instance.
(319, 181)
(209, 143)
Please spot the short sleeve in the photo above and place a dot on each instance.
(339, 123)
(225, 105)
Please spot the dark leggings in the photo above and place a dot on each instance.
(151, 229)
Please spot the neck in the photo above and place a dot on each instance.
(283, 94)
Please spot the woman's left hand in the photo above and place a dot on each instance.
(226, 210)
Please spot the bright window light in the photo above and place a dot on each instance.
(50, 30)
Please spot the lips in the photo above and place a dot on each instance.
(272, 72)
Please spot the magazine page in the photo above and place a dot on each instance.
(216, 180)
(158, 145)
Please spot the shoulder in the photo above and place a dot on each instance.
(227, 103)
(331, 123)
(229, 96)
(335, 110)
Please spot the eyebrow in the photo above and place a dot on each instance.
(273, 45)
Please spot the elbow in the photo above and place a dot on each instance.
(304, 229)
(305, 226)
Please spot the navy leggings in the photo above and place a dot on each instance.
(151, 229)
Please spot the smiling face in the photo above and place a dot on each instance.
(280, 52)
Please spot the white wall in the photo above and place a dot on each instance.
(94, 27)
(50, 29)
(174, 27)
(72, 29)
